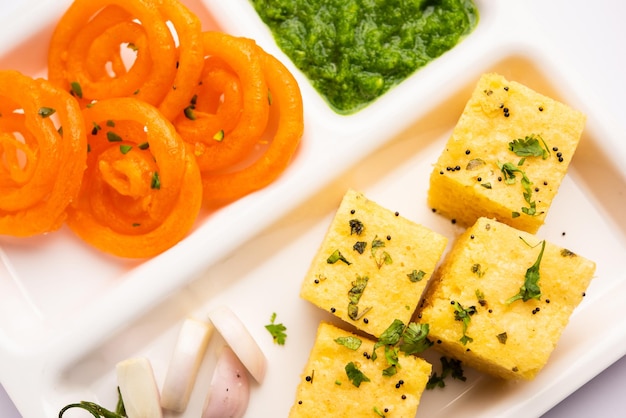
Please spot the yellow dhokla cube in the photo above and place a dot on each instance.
(332, 383)
(372, 266)
(506, 157)
(501, 299)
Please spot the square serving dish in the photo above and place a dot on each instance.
(68, 313)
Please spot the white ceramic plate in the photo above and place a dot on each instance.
(68, 314)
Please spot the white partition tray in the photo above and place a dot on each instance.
(68, 313)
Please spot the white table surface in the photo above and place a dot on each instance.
(590, 36)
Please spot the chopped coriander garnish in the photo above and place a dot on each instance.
(502, 337)
(354, 295)
(415, 338)
(189, 113)
(530, 289)
(390, 336)
(143, 146)
(124, 149)
(356, 227)
(76, 89)
(474, 164)
(416, 276)
(355, 375)
(219, 136)
(391, 355)
(481, 297)
(393, 369)
(337, 256)
(359, 246)
(113, 137)
(410, 340)
(379, 412)
(156, 181)
(353, 343)
(478, 270)
(449, 367)
(46, 112)
(384, 257)
(464, 315)
(277, 330)
(530, 147)
(567, 253)
(509, 170)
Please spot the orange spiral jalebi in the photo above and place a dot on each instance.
(286, 106)
(42, 154)
(244, 91)
(85, 52)
(142, 191)
(215, 153)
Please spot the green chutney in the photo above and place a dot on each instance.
(353, 51)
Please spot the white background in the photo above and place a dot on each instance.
(590, 38)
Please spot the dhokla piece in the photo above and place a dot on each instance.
(501, 298)
(341, 380)
(372, 266)
(506, 157)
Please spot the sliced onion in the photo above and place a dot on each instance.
(230, 389)
(180, 379)
(239, 339)
(138, 388)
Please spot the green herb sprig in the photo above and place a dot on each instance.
(530, 289)
(530, 146)
(464, 315)
(277, 330)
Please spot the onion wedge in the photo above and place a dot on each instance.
(138, 388)
(182, 371)
(229, 393)
(239, 339)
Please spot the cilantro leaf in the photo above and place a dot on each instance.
(508, 171)
(353, 343)
(449, 367)
(384, 257)
(411, 339)
(337, 256)
(355, 375)
(277, 330)
(464, 315)
(46, 112)
(530, 147)
(356, 227)
(530, 289)
(416, 276)
(414, 339)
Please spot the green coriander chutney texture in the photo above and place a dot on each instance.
(353, 51)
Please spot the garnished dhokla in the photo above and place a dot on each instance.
(506, 157)
(501, 299)
(341, 379)
(372, 265)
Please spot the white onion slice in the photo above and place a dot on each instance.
(239, 339)
(229, 393)
(138, 388)
(182, 371)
